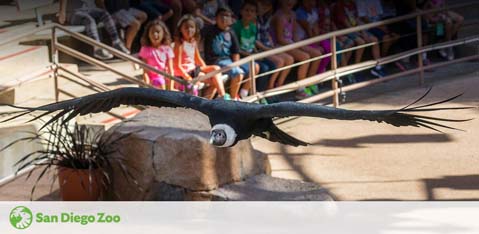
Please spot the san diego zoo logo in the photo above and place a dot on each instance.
(21, 217)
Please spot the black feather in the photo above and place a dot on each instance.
(398, 118)
(277, 135)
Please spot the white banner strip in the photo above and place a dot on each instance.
(240, 217)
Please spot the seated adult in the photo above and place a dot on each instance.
(155, 10)
(87, 13)
(126, 17)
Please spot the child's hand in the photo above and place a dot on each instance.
(61, 17)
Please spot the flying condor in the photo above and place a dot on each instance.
(233, 121)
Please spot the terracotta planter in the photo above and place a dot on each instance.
(75, 184)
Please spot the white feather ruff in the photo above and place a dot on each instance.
(230, 134)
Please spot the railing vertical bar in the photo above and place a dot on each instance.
(252, 73)
(55, 62)
(334, 67)
(419, 45)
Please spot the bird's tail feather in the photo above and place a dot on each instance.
(405, 116)
(277, 135)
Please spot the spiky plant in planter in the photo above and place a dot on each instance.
(80, 156)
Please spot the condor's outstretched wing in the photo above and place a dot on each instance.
(398, 118)
(103, 102)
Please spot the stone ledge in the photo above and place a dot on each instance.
(257, 188)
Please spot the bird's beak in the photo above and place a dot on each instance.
(211, 140)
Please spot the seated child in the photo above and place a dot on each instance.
(246, 31)
(264, 42)
(346, 16)
(188, 61)
(447, 24)
(156, 51)
(284, 33)
(222, 48)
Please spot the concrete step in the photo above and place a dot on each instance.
(20, 63)
(31, 90)
(11, 13)
(15, 30)
(78, 88)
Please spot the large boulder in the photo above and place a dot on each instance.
(171, 146)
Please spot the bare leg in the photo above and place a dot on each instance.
(131, 32)
(288, 60)
(216, 81)
(247, 85)
(359, 52)
(235, 86)
(388, 41)
(299, 56)
(313, 53)
(375, 49)
(278, 62)
(210, 91)
(457, 19)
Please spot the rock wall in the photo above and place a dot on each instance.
(171, 146)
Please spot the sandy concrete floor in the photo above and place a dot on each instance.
(362, 160)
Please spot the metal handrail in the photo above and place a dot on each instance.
(329, 75)
(117, 53)
(329, 35)
(332, 36)
(249, 59)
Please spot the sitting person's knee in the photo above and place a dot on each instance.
(288, 60)
(359, 41)
(142, 17)
(303, 56)
(135, 24)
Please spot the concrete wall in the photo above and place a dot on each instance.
(10, 156)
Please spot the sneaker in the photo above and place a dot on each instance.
(273, 99)
(443, 53)
(121, 47)
(450, 54)
(303, 93)
(227, 97)
(102, 54)
(349, 79)
(379, 73)
(244, 93)
(263, 101)
(314, 89)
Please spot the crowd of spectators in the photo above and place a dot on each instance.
(177, 34)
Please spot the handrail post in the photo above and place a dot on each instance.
(252, 74)
(419, 45)
(55, 62)
(334, 67)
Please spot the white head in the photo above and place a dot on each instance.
(222, 135)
